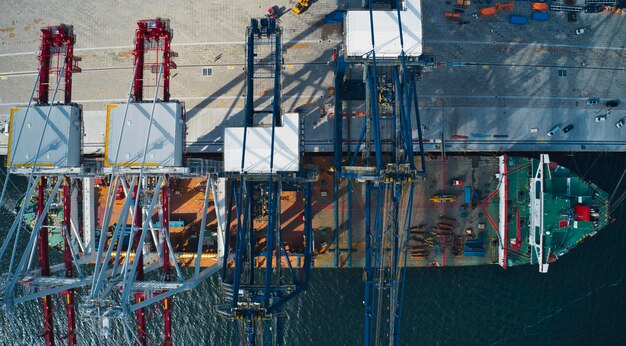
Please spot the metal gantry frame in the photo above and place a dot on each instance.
(253, 297)
(147, 189)
(137, 292)
(388, 175)
(56, 42)
(123, 280)
(151, 35)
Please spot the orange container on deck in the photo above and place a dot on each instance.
(539, 6)
(487, 11)
(508, 6)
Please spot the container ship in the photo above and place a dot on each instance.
(471, 210)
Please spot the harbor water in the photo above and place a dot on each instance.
(580, 301)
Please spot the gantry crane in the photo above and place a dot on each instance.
(50, 166)
(123, 280)
(253, 297)
(151, 36)
(386, 173)
(143, 153)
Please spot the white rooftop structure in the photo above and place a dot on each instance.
(165, 148)
(258, 147)
(386, 32)
(61, 142)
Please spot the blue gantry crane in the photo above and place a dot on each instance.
(259, 273)
(386, 173)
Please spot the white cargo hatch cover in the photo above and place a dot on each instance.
(258, 147)
(386, 32)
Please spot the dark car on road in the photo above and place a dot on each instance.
(568, 128)
(612, 103)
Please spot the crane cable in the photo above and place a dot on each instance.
(615, 203)
(31, 182)
(617, 186)
(19, 136)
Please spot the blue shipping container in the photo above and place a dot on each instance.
(475, 247)
(540, 16)
(518, 20)
(468, 194)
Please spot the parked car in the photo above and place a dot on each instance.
(457, 182)
(582, 30)
(554, 130)
(600, 118)
(620, 123)
(568, 128)
(612, 103)
(593, 101)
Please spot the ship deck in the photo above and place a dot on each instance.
(430, 244)
(453, 233)
(563, 190)
(457, 232)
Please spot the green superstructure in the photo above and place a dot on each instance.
(549, 210)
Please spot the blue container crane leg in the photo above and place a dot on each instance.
(373, 89)
(369, 284)
(242, 228)
(250, 232)
(230, 198)
(418, 124)
(349, 249)
(396, 326)
(375, 125)
(269, 249)
(340, 67)
(397, 193)
(308, 233)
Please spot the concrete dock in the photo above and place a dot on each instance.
(494, 78)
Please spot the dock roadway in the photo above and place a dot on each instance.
(495, 78)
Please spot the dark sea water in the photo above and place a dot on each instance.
(580, 301)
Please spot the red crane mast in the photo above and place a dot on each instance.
(154, 35)
(57, 56)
